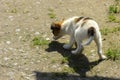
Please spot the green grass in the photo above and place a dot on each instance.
(25, 11)
(106, 31)
(39, 41)
(115, 29)
(14, 10)
(113, 54)
(68, 69)
(50, 10)
(64, 60)
(111, 17)
(51, 13)
(113, 11)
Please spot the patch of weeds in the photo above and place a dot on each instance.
(64, 60)
(25, 12)
(50, 10)
(68, 69)
(115, 29)
(14, 10)
(51, 13)
(113, 10)
(53, 61)
(113, 54)
(39, 41)
(46, 57)
(111, 17)
(106, 31)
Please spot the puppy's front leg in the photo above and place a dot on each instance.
(68, 46)
(78, 49)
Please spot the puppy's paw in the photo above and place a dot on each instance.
(66, 46)
(103, 57)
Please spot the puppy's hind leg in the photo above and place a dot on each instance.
(98, 42)
(79, 46)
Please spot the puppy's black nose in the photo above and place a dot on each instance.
(52, 27)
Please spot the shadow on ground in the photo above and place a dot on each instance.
(79, 63)
(65, 76)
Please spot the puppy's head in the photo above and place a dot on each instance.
(56, 30)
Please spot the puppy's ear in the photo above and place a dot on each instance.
(61, 21)
(57, 25)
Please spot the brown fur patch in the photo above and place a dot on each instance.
(78, 19)
(83, 23)
(91, 31)
(85, 20)
(56, 27)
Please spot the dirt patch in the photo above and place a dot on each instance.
(21, 21)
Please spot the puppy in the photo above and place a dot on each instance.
(79, 29)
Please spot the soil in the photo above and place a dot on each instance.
(23, 20)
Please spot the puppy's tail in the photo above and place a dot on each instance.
(91, 33)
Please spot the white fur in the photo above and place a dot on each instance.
(78, 34)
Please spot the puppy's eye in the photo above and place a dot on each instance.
(53, 32)
(52, 27)
(55, 28)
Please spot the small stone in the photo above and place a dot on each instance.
(32, 62)
(92, 51)
(44, 36)
(8, 42)
(15, 64)
(69, 10)
(37, 33)
(54, 66)
(63, 38)
(10, 17)
(21, 50)
(28, 78)
(38, 61)
(33, 74)
(23, 74)
(20, 37)
(26, 69)
(6, 58)
(106, 71)
(48, 39)
(66, 65)
(17, 30)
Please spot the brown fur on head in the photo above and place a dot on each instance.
(56, 29)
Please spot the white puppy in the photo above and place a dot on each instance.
(79, 29)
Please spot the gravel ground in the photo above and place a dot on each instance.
(23, 20)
